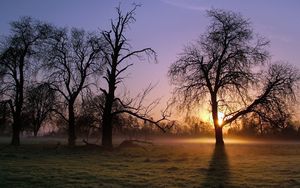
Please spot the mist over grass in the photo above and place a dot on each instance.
(180, 163)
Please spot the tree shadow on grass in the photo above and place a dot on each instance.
(218, 173)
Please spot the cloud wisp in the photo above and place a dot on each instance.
(185, 5)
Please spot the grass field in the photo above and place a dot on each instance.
(166, 164)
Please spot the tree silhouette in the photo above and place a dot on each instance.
(223, 66)
(17, 60)
(70, 59)
(40, 102)
(117, 56)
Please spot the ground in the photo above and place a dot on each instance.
(181, 163)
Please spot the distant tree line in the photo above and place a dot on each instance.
(253, 126)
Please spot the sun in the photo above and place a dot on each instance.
(220, 118)
(206, 116)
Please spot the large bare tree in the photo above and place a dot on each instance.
(223, 67)
(117, 56)
(17, 60)
(70, 60)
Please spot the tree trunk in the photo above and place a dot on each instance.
(219, 135)
(17, 123)
(35, 133)
(107, 117)
(107, 132)
(71, 128)
(107, 122)
(218, 127)
(17, 115)
(35, 128)
(16, 133)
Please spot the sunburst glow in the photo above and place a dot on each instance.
(220, 118)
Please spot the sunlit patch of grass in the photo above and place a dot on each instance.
(177, 164)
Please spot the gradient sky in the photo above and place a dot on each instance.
(166, 26)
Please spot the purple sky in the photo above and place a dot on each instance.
(166, 26)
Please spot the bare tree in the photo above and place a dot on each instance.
(223, 66)
(40, 102)
(117, 56)
(71, 59)
(17, 60)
